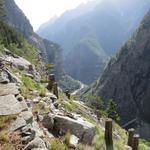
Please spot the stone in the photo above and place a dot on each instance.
(18, 124)
(37, 99)
(51, 95)
(127, 147)
(19, 98)
(12, 78)
(9, 105)
(36, 143)
(73, 141)
(10, 88)
(28, 134)
(18, 62)
(27, 116)
(23, 105)
(48, 122)
(84, 130)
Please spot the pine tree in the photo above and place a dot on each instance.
(112, 111)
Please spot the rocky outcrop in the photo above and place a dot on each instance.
(126, 79)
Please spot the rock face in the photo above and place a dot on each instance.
(18, 20)
(8, 89)
(126, 79)
(9, 105)
(84, 130)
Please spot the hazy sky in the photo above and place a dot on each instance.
(40, 11)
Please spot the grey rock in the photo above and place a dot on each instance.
(27, 116)
(127, 147)
(12, 78)
(48, 122)
(9, 105)
(84, 130)
(23, 105)
(19, 62)
(36, 143)
(26, 139)
(51, 96)
(18, 124)
(10, 88)
(73, 141)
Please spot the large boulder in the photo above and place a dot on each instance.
(84, 130)
(9, 105)
(8, 89)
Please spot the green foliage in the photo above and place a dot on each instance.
(95, 101)
(68, 83)
(5, 120)
(29, 84)
(112, 111)
(56, 144)
(98, 140)
(4, 137)
(84, 147)
(66, 140)
(41, 108)
(16, 43)
(2, 13)
(49, 68)
(7, 147)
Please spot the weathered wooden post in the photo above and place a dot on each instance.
(108, 133)
(51, 81)
(55, 89)
(135, 142)
(67, 94)
(130, 136)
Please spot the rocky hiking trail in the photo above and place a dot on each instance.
(41, 122)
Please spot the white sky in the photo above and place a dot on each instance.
(40, 11)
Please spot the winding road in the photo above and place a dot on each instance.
(78, 90)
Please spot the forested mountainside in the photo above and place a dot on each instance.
(97, 30)
(126, 79)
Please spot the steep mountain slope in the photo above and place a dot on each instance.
(126, 79)
(17, 19)
(108, 22)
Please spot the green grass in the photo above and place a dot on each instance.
(5, 120)
(29, 84)
(4, 137)
(7, 147)
(41, 108)
(56, 144)
(98, 140)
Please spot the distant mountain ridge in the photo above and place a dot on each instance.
(109, 23)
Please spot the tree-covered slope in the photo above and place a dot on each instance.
(126, 79)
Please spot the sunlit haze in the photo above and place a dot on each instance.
(40, 11)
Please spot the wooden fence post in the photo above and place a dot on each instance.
(51, 81)
(135, 142)
(55, 89)
(108, 132)
(67, 94)
(130, 136)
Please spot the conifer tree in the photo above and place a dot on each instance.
(112, 111)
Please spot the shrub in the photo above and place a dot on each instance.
(112, 111)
